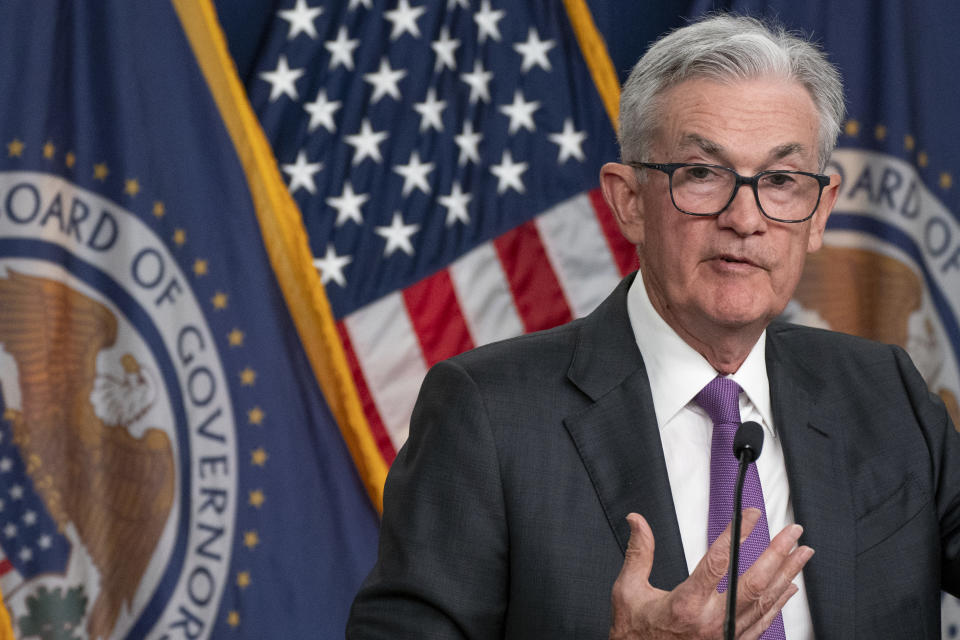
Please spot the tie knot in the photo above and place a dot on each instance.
(720, 400)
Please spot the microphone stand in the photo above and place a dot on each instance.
(747, 445)
(730, 625)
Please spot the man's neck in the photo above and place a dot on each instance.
(725, 348)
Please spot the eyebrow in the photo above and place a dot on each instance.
(714, 149)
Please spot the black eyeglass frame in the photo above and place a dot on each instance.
(670, 167)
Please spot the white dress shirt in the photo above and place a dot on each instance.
(677, 373)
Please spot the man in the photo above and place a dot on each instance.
(539, 470)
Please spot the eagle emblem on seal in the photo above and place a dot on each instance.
(72, 432)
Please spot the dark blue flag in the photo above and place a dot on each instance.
(169, 466)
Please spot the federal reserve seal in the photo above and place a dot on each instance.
(118, 455)
(889, 269)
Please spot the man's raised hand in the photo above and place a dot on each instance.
(694, 609)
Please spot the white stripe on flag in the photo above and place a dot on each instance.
(484, 295)
(389, 355)
(580, 256)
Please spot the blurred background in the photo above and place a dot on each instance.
(234, 236)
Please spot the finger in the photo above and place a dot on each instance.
(780, 558)
(789, 569)
(771, 576)
(713, 566)
(756, 629)
(638, 559)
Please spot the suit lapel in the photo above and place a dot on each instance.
(813, 450)
(617, 436)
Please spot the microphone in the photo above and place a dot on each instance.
(747, 445)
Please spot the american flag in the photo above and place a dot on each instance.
(445, 157)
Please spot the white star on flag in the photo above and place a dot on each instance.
(445, 47)
(331, 266)
(431, 111)
(301, 19)
(30, 518)
(468, 142)
(415, 174)
(404, 19)
(508, 173)
(282, 80)
(366, 4)
(479, 81)
(397, 236)
(301, 173)
(569, 141)
(520, 113)
(341, 49)
(366, 143)
(455, 3)
(534, 51)
(456, 203)
(348, 205)
(487, 20)
(384, 81)
(321, 112)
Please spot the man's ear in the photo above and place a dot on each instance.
(819, 221)
(622, 193)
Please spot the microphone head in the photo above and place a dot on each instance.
(748, 441)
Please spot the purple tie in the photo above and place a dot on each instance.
(719, 400)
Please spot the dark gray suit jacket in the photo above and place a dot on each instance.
(505, 511)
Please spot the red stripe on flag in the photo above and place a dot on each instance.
(5, 566)
(624, 253)
(379, 431)
(437, 318)
(536, 291)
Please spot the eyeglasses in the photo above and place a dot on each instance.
(708, 189)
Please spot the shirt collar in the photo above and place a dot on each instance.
(677, 372)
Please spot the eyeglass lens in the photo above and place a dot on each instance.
(707, 190)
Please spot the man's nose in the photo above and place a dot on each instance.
(743, 216)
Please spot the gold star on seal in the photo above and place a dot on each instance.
(256, 416)
(70, 159)
(257, 498)
(247, 377)
(258, 457)
(9, 414)
(923, 159)
(219, 300)
(243, 579)
(233, 618)
(131, 187)
(179, 237)
(946, 180)
(909, 142)
(100, 171)
(200, 267)
(235, 338)
(49, 150)
(159, 209)
(15, 148)
(880, 132)
(251, 539)
(852, 128)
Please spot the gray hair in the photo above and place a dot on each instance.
(725, 48)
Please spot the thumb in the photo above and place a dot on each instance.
(638, 559)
